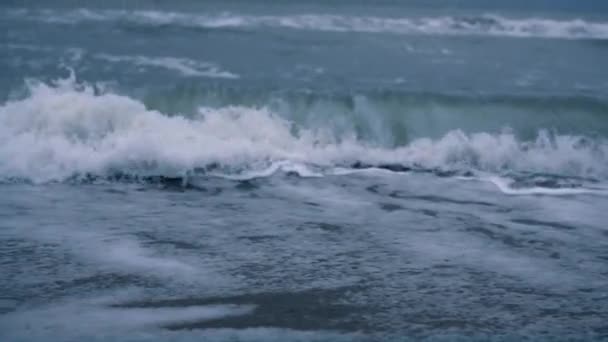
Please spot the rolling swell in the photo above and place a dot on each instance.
(483, 25)
(66, 130)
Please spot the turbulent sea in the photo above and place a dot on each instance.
(303, 170)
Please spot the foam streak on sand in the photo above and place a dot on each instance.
(107, 320)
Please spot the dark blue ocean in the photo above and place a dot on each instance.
(326, 170)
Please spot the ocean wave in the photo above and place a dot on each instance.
(66, 129)
(483, 25)
(395, 117)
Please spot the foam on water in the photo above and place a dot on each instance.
(280, 166)
(505, 186)
(68, 129)
(186, 67)
(485, 25)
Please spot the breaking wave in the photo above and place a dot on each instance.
(484, 25)
(66, 129)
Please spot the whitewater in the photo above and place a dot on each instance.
(289, 171)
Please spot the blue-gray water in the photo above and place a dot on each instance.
(299, 171)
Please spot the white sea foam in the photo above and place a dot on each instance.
(185, 66)
(68, 129)
(491, 25)
(505, 186)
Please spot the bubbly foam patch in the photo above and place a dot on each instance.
(486, 25)
(65, 129)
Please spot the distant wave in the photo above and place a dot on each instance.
(484, 25)
(66, 129)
